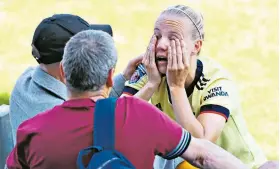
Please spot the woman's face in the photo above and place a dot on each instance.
(167, 28)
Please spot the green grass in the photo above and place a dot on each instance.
(4, 98)
(241, 34)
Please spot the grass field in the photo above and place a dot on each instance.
(241, 34)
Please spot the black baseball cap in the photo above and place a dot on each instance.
(103, 27)
(52, 34)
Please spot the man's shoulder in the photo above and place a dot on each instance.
(28, 72)
(35, 123)
(24, 77)
(138, 108)
(28, 91)
(43, 117)
(135, 105)
(21, 86)
(132, 101)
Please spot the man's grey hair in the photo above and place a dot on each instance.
(87, 60)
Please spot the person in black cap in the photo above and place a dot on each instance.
(52, 34)
(42, 88)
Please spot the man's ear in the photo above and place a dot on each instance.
(197, 47)
(110, 81)
(61, 73)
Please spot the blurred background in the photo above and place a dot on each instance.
(240, 34)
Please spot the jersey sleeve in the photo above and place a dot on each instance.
(137, 81)
(220, 98)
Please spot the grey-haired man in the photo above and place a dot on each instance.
(42, 87)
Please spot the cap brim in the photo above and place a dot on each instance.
(106, 28)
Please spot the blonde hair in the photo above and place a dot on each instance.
(195, 17)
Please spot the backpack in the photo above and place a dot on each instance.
(104, 154)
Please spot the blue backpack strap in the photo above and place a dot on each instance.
(104, 123)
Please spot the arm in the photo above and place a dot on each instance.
(214, 111)
(14, 161)
(183, 112)
(139, 86)
(121, 78)
(178, 69)
(146, 92)
(17, 115)
(17, 158)
(119, 81)
(204, 154)
(170, 141)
